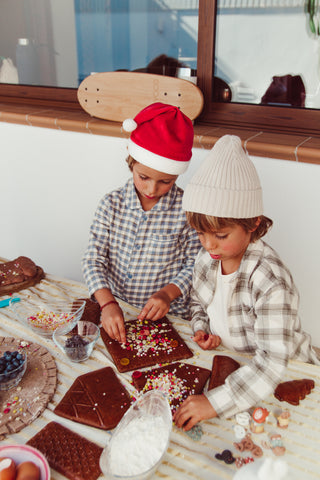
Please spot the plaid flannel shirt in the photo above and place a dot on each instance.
(263, 321)
(135, 253)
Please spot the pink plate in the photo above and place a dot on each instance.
(24, 453)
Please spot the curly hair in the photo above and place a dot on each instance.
(207, 223)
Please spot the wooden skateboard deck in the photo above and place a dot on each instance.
(120, 95)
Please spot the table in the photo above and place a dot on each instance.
(186, 459)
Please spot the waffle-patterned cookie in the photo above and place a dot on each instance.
(148, 343)
(177, 381)
(68, 453)
(96, 398)
(222, 366)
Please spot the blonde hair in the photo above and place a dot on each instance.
(207, 223)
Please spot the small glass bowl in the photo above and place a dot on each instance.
(44, 318)
(13, 364)
(77, 343)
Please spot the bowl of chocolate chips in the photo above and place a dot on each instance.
(77, 343)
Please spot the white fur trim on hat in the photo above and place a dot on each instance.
(157, 162)
(226, 184)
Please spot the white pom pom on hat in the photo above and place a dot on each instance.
(129, 125)
(226, 185)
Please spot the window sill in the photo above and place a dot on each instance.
(262, 144)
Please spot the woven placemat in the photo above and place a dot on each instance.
(23, 403)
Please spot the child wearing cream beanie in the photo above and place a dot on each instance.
(243, 296)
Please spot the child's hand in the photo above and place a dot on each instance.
(192, 410)
(113, 322)
(156, 307)
(205, 341)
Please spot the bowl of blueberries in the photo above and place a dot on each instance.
(13, 364)
(77, 343)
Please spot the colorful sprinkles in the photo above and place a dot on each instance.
(171, 384)
(144, 340)
(50, 320)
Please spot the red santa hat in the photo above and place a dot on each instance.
(161, 138)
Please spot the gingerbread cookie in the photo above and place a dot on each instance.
(91, 311)
(96, 398)
(148, 343)
(18, 274)
(177, 381)
(222, 366)
(68, 453)
(293, 391)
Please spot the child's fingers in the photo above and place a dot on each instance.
(216, 340)
(144, 312)
(121, 333)
(149, 311)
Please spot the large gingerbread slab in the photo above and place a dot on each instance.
(148, 343)
(177, 381)
(68, 453)
(23, 403)
(96, 398)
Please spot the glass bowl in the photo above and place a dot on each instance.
(13, 364)
(43, 318)
(77, 343)
(143, 434)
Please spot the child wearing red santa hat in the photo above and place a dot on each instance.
(141, 249)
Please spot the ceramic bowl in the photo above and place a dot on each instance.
(13, 364)
(43, 318)
(25, 453)
(77, 343)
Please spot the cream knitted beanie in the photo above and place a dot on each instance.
(226, 185)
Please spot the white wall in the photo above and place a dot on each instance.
(51, 182)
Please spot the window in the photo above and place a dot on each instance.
(218, 113)
(264, 117)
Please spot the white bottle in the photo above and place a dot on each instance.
(27, 62)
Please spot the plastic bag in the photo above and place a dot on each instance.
(8, 72)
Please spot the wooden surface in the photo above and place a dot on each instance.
(117, 96)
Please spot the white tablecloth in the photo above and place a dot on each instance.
(186, 459)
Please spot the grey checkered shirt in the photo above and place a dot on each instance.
(135, 253)
(263, 321)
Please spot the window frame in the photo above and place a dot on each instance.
(275, 119)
